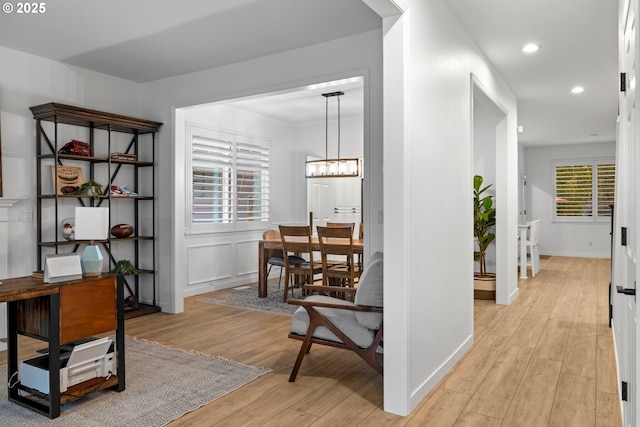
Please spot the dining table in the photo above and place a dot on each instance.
(269, 247)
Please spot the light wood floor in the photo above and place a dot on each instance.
(546, 360)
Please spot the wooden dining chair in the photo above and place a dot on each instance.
(333, 261)
(296, 241)
(337, 242)
(276, 256)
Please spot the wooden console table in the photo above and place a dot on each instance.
(60, 313)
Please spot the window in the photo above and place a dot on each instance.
(230, 179)
(584, 190)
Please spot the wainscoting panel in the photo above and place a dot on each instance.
(209, 262)
(246, 257)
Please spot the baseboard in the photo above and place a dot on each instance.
(515, 294)
(576, 254)
(429, 384)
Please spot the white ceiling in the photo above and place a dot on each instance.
(145, 40)
(579, 47)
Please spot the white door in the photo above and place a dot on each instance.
(626, 233)
(334, 200)
(320, 200)
(347, 200)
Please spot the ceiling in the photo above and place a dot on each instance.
(579, 47)
(146, 40)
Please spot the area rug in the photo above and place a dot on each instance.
(247, 297)
(162, 384)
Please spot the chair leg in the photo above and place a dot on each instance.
(286, 287)
(280, 278)
(304, 349)
(535, 260)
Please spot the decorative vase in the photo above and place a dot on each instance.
(69, 229)
(484, 287)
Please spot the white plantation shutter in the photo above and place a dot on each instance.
(606, 188)
(230, 178)
(212, 165)
(584, 191)
(252, 181)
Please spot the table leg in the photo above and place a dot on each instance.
(54, 355)
(120, 346)
(262, 271)
(12, 347)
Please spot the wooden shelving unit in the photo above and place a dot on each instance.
(105, 133)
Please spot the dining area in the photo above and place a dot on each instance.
(327, 260)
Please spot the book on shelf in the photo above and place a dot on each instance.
(124, 156)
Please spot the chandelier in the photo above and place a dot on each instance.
(332, 168)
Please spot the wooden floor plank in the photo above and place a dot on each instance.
(443, 409)
(499, 386)
(473, 368)
(532, 403)
(575, 402)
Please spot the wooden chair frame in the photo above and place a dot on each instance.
(316, 319)
(300, 244)
(276, 256)
(338, 241)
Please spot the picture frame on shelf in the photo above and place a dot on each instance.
(68, 179)
(62, 267)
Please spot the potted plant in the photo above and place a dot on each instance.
(90, 188)
(124, 267)
(484, 220)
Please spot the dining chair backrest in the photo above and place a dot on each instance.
(336, 241)
(296, 238)
(534, 232)
(341, 224)
(350, 225)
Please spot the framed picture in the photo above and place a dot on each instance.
(68, 179)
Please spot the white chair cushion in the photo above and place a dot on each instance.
(371, 292)
(344, 320)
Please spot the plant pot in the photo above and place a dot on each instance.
(484, 287)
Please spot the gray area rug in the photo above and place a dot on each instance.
(162, 384)
(247, 297)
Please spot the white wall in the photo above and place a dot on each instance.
(429, 59)
(563, 238)
(347, 57)
(27, 80)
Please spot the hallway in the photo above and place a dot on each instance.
(548, 359)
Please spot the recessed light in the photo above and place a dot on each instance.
(530, 48)
(577, 89)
